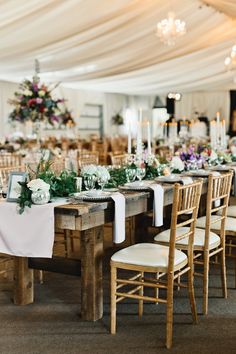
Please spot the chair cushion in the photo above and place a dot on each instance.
(230, 224)
(199, 238)
(148, 254)
(230, 212)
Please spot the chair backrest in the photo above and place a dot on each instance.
(9, 160)
(118, 160)
(218, 193)
(88, 159)
(186, 200)
(6, 171)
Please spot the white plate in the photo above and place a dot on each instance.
(169, 179)
(138, 185)
(92, 195)
(198, 173)
(219, 168)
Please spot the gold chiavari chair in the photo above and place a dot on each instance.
(10, 160)
(206, 242)
(153, 258)
(88, 159)
(118, 160)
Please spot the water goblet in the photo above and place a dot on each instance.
(102, 181)
(140, 173)
(130, 174)
(89, 182)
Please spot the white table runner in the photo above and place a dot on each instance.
(30, 234)
(119, 219)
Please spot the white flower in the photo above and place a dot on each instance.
(177, 163)
(233, 150)
(41, 93)
(102, 173)
(38, 184)
(28, 92)
(89, 170)
(151, 160)
(213, 155)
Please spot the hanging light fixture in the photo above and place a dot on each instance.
(230, 61)
(169, 29)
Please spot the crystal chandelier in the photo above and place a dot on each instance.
(230, 61)
(170, 28)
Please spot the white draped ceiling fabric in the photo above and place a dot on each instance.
(110, 45)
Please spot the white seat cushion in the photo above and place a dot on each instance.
(199, 238)
(148, 254)
(230, 212)
(230, 224)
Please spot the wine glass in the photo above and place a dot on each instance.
(140, 173)
(89, 182)
(130, 174)
(102, 181)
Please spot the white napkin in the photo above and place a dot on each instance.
(119, 219)
(186, 180)
(158, 204)
(30, 234)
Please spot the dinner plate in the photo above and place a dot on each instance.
(198, 173)
(220, 168)
(169, 179)
(137, 185)
(92, 195)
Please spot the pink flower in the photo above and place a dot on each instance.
(39, 100)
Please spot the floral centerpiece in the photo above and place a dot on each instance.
(191, 159)
(34, 102)
(95, 174)
(177, 165)
(44, 184)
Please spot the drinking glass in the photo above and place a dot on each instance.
(102, 181)
(89, 182)
(130, 174)
(140, 173)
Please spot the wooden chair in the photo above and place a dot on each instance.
(214, 225)
(88, 159)
(9, 160)
(6, 171)
(119, 160)
(152, 258)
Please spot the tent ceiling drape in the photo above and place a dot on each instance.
(111, 45)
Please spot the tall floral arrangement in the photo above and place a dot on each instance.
(34, 102)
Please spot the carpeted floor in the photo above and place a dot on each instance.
(52, 324)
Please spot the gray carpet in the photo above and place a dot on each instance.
(52, 324)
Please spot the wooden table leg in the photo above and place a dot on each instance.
(91, 274)
(23, 282)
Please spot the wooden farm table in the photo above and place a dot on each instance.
(88, 218)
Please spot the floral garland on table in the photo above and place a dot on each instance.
(34, 102)
(44, 179)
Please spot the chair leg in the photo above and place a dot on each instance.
(113, 299)
(223, 275)
(192, 296)
(157, 289)
(140, 302)
(205, 283)
(169, 312)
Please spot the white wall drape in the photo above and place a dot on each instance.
(206, 103)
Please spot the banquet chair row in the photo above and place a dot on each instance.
(176, 251)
